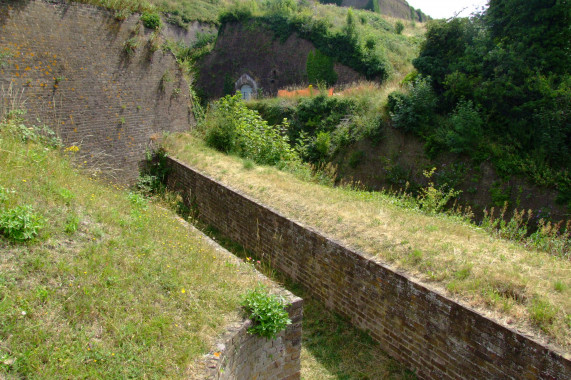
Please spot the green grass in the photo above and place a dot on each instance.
(331, 347)
(113, 285)
(501, 279)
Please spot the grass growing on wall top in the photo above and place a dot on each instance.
(112, 286)
(522, 287)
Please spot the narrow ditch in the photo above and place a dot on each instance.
(331, 347)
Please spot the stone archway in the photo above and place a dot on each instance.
(247, 87)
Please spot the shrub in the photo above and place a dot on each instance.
(466, 132)
(154, 173)
(431, 199)
(151, 20)
(320, 69)
(399, 27)
(414, 111)
(20, 223)
(232, 127)
(267, 313)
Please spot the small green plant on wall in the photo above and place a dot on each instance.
(267, 313)
(130, 46)
(4, 55)
(151, 20)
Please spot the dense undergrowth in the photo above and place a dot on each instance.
(96, 280)
(497, 87)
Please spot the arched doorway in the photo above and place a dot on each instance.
(247, 87)
(246, 91)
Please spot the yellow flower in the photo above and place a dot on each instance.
(183, 291)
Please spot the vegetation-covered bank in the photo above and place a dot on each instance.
(97, 281)
(525, 288)
(497, 87)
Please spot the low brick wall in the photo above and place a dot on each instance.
(240, 355)
(436, 336)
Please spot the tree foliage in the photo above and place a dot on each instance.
(503, 74)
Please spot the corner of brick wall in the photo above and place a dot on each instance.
(240, 355)
(436, 336)
(68, 66)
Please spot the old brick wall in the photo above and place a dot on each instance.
(438, 337)
(242, 355)
(69, 64)
(273, 64)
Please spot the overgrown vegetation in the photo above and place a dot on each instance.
(497, 87)
(321, 126)
(97, 281)
(232, 127)
(151, 20)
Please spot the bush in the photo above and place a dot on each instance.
(232, 127)
(151, 20)
(319, 68)
(267, 313)
(20, 223)
(466, 132)
(399, 27)
(414, 112)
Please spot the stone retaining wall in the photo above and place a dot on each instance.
(432, 334)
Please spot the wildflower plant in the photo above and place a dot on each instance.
(20, 223)
(266, 311)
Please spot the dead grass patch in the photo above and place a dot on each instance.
(495, 276)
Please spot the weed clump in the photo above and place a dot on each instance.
(151, 20)
(267, 313)
(20, 223)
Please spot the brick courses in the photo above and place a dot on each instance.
(69, 64)
(436, 336)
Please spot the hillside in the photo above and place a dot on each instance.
(393, 8)
(96, 280)
(183, 13)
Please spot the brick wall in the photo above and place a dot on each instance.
(273, 64)
(68, 62)
(242, 355)
(430, 333)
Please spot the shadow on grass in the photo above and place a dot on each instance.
(331, 347)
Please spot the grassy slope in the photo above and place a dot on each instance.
(520, 287)
(129, 293)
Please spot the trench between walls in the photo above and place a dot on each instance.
(435, 336)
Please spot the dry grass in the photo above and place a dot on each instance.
(522, 289)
